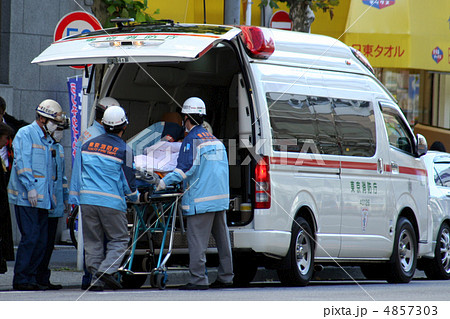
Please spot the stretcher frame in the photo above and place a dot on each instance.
(166, 206)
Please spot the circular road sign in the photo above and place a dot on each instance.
(75, 23)
(280, 20)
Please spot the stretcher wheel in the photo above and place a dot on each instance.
(161, 280)
(158, 279)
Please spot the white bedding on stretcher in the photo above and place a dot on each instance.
(160, 157)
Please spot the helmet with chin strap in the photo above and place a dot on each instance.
(50, 109)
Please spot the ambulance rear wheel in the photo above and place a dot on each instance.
(403, 262)
(301, 256)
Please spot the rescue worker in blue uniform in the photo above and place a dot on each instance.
(30, 189)
(61, 191)
(203, 168)
(107, 180)
(94, 130)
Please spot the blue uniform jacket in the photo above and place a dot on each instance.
(203, 168)
(60, 186)
(32, 168)
(107, 173)
(94, 130)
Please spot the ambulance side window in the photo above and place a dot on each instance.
(293, 122)
(355, 124)
(321, 125)
(397, 132)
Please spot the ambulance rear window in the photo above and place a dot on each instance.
(158, 28)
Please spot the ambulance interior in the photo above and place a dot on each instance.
(148, 91)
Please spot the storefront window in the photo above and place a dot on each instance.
(404, 86)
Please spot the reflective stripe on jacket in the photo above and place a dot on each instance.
(32, 168)
(107, 173)
(94, 130)
(203, 168)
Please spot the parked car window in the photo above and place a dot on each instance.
(442, 173)
(314, 124)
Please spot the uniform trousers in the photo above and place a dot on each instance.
(99, 223)
(199, 229)
(43, 272)
(33, 224)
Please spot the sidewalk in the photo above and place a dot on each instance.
(64, 271)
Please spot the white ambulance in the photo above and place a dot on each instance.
(324, 168)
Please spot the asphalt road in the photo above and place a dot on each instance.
(417, 290)
(330, 291)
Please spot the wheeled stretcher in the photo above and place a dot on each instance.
(156, 218)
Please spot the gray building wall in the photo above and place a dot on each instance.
(27, 28)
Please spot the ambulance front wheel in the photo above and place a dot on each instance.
(403, 262)
(300, 257)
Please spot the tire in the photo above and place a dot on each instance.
(403, 262)
(300, 256)
(374, 271)
(73, 219)
(438, 268)
(244, 268)
(158, 279)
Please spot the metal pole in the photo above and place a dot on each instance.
(204, 11)
(266, 13)
(232, 12)
(248, 15)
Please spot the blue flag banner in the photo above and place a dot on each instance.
(74, 85)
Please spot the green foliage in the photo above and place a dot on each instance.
(324, 5)
(127, 9)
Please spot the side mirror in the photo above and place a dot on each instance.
(422, 146)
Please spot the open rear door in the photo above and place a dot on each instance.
(136, 44)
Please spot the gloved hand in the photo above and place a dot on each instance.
(33, 197)
(161, 185)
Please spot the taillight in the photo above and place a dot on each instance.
(258, 42)
(262, 183)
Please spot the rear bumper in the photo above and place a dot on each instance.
(264, 241)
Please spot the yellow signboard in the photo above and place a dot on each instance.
(401, 33)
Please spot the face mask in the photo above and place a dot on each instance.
(51, 127)
(57, 136)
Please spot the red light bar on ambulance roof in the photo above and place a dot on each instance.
(258, 42)
(362, 59)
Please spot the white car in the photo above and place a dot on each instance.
(438, 168)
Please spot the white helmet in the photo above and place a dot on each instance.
(106, 102)
(114, 118)
(50, 109)
(194, 105)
